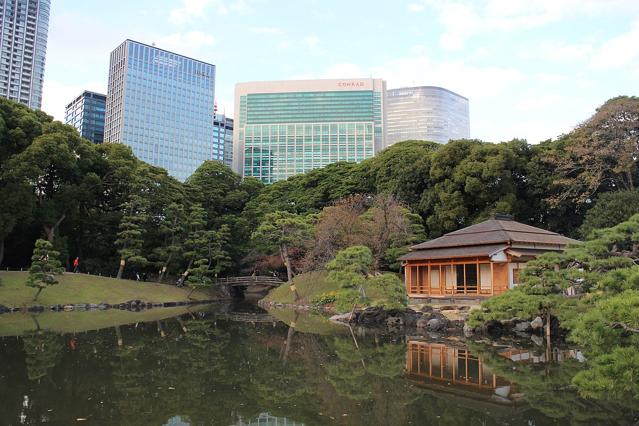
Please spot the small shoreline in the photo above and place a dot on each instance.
(131, 305)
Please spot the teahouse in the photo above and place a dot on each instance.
(481, 260)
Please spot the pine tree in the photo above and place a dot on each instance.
(45, 266)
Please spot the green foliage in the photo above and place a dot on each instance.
(386, 290)
(609, 209)
(324, 298)
(356, 259)
(45, 266)
(350, 271)
(514, 303)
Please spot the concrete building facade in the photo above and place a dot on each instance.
(24, 28)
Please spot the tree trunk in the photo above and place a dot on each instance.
(1, 250)
(37, 294)
(188, 296)
(121, 269)
(164, 268)
(289, 271)
(49, 231)
(289, 337)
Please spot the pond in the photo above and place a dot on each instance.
(242, 367)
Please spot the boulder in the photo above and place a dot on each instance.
(372, 316)
(411, 317)
(92, 306)
(394, 321)
(422, 322)
(79, 307)
(522, 327)
(57, 308)
(103, 306)
(468, 330)
(493, 328)
(426, 308)
(36, 308)
(437, 324)
(537, 340)
(340, 318)
(537, 323)
(68, 307)
(4, 309)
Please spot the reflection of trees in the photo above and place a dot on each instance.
(43, 351)
(547, 387)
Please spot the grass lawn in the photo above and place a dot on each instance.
(81, 288)
(308, 285)
(75, 321)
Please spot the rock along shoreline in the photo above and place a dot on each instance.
(131, 305)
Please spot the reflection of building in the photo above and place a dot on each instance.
(161, 104)
(283, 128)
(454, 369)
(24, 28)
(265, 419)
(426, 113)
(481, 260)
(527, 356)
(86, 113)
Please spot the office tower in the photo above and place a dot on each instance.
(86, 113)
(223, 137)
(24, 26)
(426, 113)
(290, 127)
(161, 104)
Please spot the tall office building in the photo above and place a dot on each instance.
(86, 113)
(426, 113)
(223, 137)
(288, 127)
(161, 104)
(24, 27)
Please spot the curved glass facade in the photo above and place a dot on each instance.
(426, 113)
(161, 104)
(292, 127)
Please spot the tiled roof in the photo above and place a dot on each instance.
(495, 231)
(449, 252)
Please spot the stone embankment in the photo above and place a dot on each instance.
(131, 305)
(426, 319)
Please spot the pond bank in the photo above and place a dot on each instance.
(89, 292)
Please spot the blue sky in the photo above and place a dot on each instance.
(532, 69)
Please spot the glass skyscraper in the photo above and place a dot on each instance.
(426, 113)
(24, 28)
(223, 137)
(86, 113)
(161, 104)
(288, 127)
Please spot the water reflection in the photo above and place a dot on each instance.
(224, 369)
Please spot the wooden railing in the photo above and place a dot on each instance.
(250, 280)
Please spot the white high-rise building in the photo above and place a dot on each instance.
(426, 113)
(24, 27)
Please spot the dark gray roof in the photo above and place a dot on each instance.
(496, 231)
(445, 253)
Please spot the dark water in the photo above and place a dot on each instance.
(242, 369)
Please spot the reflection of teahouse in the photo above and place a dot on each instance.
(480, 260)
(455, 371)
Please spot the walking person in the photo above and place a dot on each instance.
(76, 265)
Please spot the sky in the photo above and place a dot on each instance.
(532, 69)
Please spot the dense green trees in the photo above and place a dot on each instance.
(100, 203)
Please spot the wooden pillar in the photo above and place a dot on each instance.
(492, 278)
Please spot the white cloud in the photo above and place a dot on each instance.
(266, 30)
(618, 51)
(190, 43)
(558, 51)
(56, 95)
(311, 41)
(191, 10)
(462, 20)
